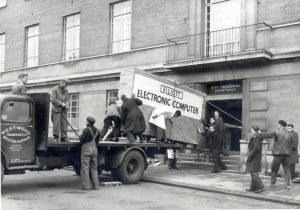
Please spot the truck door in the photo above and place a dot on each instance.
(17, 131)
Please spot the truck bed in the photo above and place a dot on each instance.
(75, 143)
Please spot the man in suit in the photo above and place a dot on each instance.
(253, 164)
(294, 159)
(281, 153)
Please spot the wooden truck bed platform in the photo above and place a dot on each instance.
(121, 144)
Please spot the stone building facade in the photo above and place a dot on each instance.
(246, 59)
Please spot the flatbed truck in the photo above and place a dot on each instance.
(25, 145)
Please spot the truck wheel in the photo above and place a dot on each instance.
(132, 168)
(2, 172)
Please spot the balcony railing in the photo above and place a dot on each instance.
(213, 43)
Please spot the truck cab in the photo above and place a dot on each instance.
(23, 132)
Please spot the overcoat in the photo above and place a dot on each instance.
(254, 153)
(294, 153)
(132, 117)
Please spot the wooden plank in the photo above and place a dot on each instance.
(110, 184)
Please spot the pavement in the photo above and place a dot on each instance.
(223, 183)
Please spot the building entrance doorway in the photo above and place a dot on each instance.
(234, 108)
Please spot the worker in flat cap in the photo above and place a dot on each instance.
(89, 152)
(59, 97)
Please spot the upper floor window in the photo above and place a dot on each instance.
(3, 3)
(71, 37)
(121, 26)
(2, 52)
(73, 112)
(32, 46)
(223, 32)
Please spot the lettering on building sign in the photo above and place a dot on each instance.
(225, 88)
(16, 134)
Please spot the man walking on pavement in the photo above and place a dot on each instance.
(89, 152)
(281, 153)
(294, 159)
(59, 97)
(20, 86)
(253, 164)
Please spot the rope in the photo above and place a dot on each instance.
(224, 112)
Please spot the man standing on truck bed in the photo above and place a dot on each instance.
(20, 86)
(132, 118)
(59, 97)
(89, 152)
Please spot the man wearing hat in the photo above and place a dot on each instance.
(89, 152)
(60, 99)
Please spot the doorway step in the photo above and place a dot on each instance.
(202, 161)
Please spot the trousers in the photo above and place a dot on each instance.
(293, 171)
(89, 172)
(227, 136)
(60, 125)
(217, 161)
(108, 122)
(256, 183)
(284, 161)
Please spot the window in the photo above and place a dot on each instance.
(2, 3)
(16, 111)
(111, 95)
(223, 32)
(71, 37)
(32, 46)
(2, 52)
(121, 26)
(73, 112)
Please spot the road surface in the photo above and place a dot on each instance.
(60, 189)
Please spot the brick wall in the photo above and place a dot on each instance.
(278, 12)
(153, 21)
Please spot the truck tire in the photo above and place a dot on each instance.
(132, 168)
(2, 172)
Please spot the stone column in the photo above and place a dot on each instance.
(243, 154)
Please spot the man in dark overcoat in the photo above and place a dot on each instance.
(294, 159)
(253, 164)
(214, 144)
(132, 118)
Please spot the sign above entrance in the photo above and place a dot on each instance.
(225, 88)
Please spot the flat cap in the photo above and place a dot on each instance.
(91, 119)
(66, 80)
